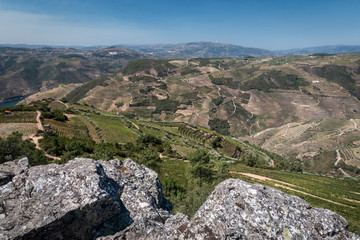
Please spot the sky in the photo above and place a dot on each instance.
(269, 24)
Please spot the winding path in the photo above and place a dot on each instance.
(338, 159)
(35, 138)
(39, 123)
(355, 124)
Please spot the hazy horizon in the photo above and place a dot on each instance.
(272, 25)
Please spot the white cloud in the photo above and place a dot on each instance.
(20, 27)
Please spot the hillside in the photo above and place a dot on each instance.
(190, 160)
(25, 71)
(241, 96)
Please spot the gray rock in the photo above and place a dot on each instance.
(9, 169)
(88, 199)
(240, 210)
(82, 199)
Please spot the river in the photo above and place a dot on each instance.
(9, 103)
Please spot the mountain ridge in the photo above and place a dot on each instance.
(330, 49)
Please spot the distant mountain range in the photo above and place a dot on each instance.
(332, 49)
(198, 50)
(204, 50)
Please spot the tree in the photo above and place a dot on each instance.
(198, 167)
(250, 160)
(149, 158)
(13, 147)
(216, 142)
(103, 152)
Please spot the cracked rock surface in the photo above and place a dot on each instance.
(89, 199)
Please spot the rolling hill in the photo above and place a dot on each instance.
(295, 106)
(25, 71)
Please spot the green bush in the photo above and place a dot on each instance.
(56, 115)
(217, 101)
(149, 158)
(199, 168)
(220, 126)
(13, 147)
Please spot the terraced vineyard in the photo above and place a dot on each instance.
(73, 128)
(112, 129)
(229, 155)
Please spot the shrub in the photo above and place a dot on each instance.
(220, 126)
(217, 101)
(13, 147)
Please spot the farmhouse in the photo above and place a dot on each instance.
(8, 112)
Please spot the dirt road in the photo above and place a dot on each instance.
(39, 124)
(288, 186)
(35, 138)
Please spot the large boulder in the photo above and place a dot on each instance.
(88, 199)
(82, 199)
(240, 210)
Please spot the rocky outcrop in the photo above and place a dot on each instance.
(82, 199)
(240, 210)
(88, 199)
(9, 169)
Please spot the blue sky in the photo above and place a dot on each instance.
(270, 24)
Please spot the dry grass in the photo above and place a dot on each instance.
(55, 93)
(26, 129)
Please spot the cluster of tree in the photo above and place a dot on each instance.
(56, 115)
(146, 89)
(162, 67)
(165, 105)
(69, 148)
(274, 80)
(189, 70)
(13, 147)
(217, 101)
(145, 150)
(219, 125)
(142, 103)
(144, 78)
(223, 81)
(201, 178)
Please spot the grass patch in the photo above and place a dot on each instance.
(74, 128)
(18, 117)
(113, 130)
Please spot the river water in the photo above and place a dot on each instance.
(10, 103)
